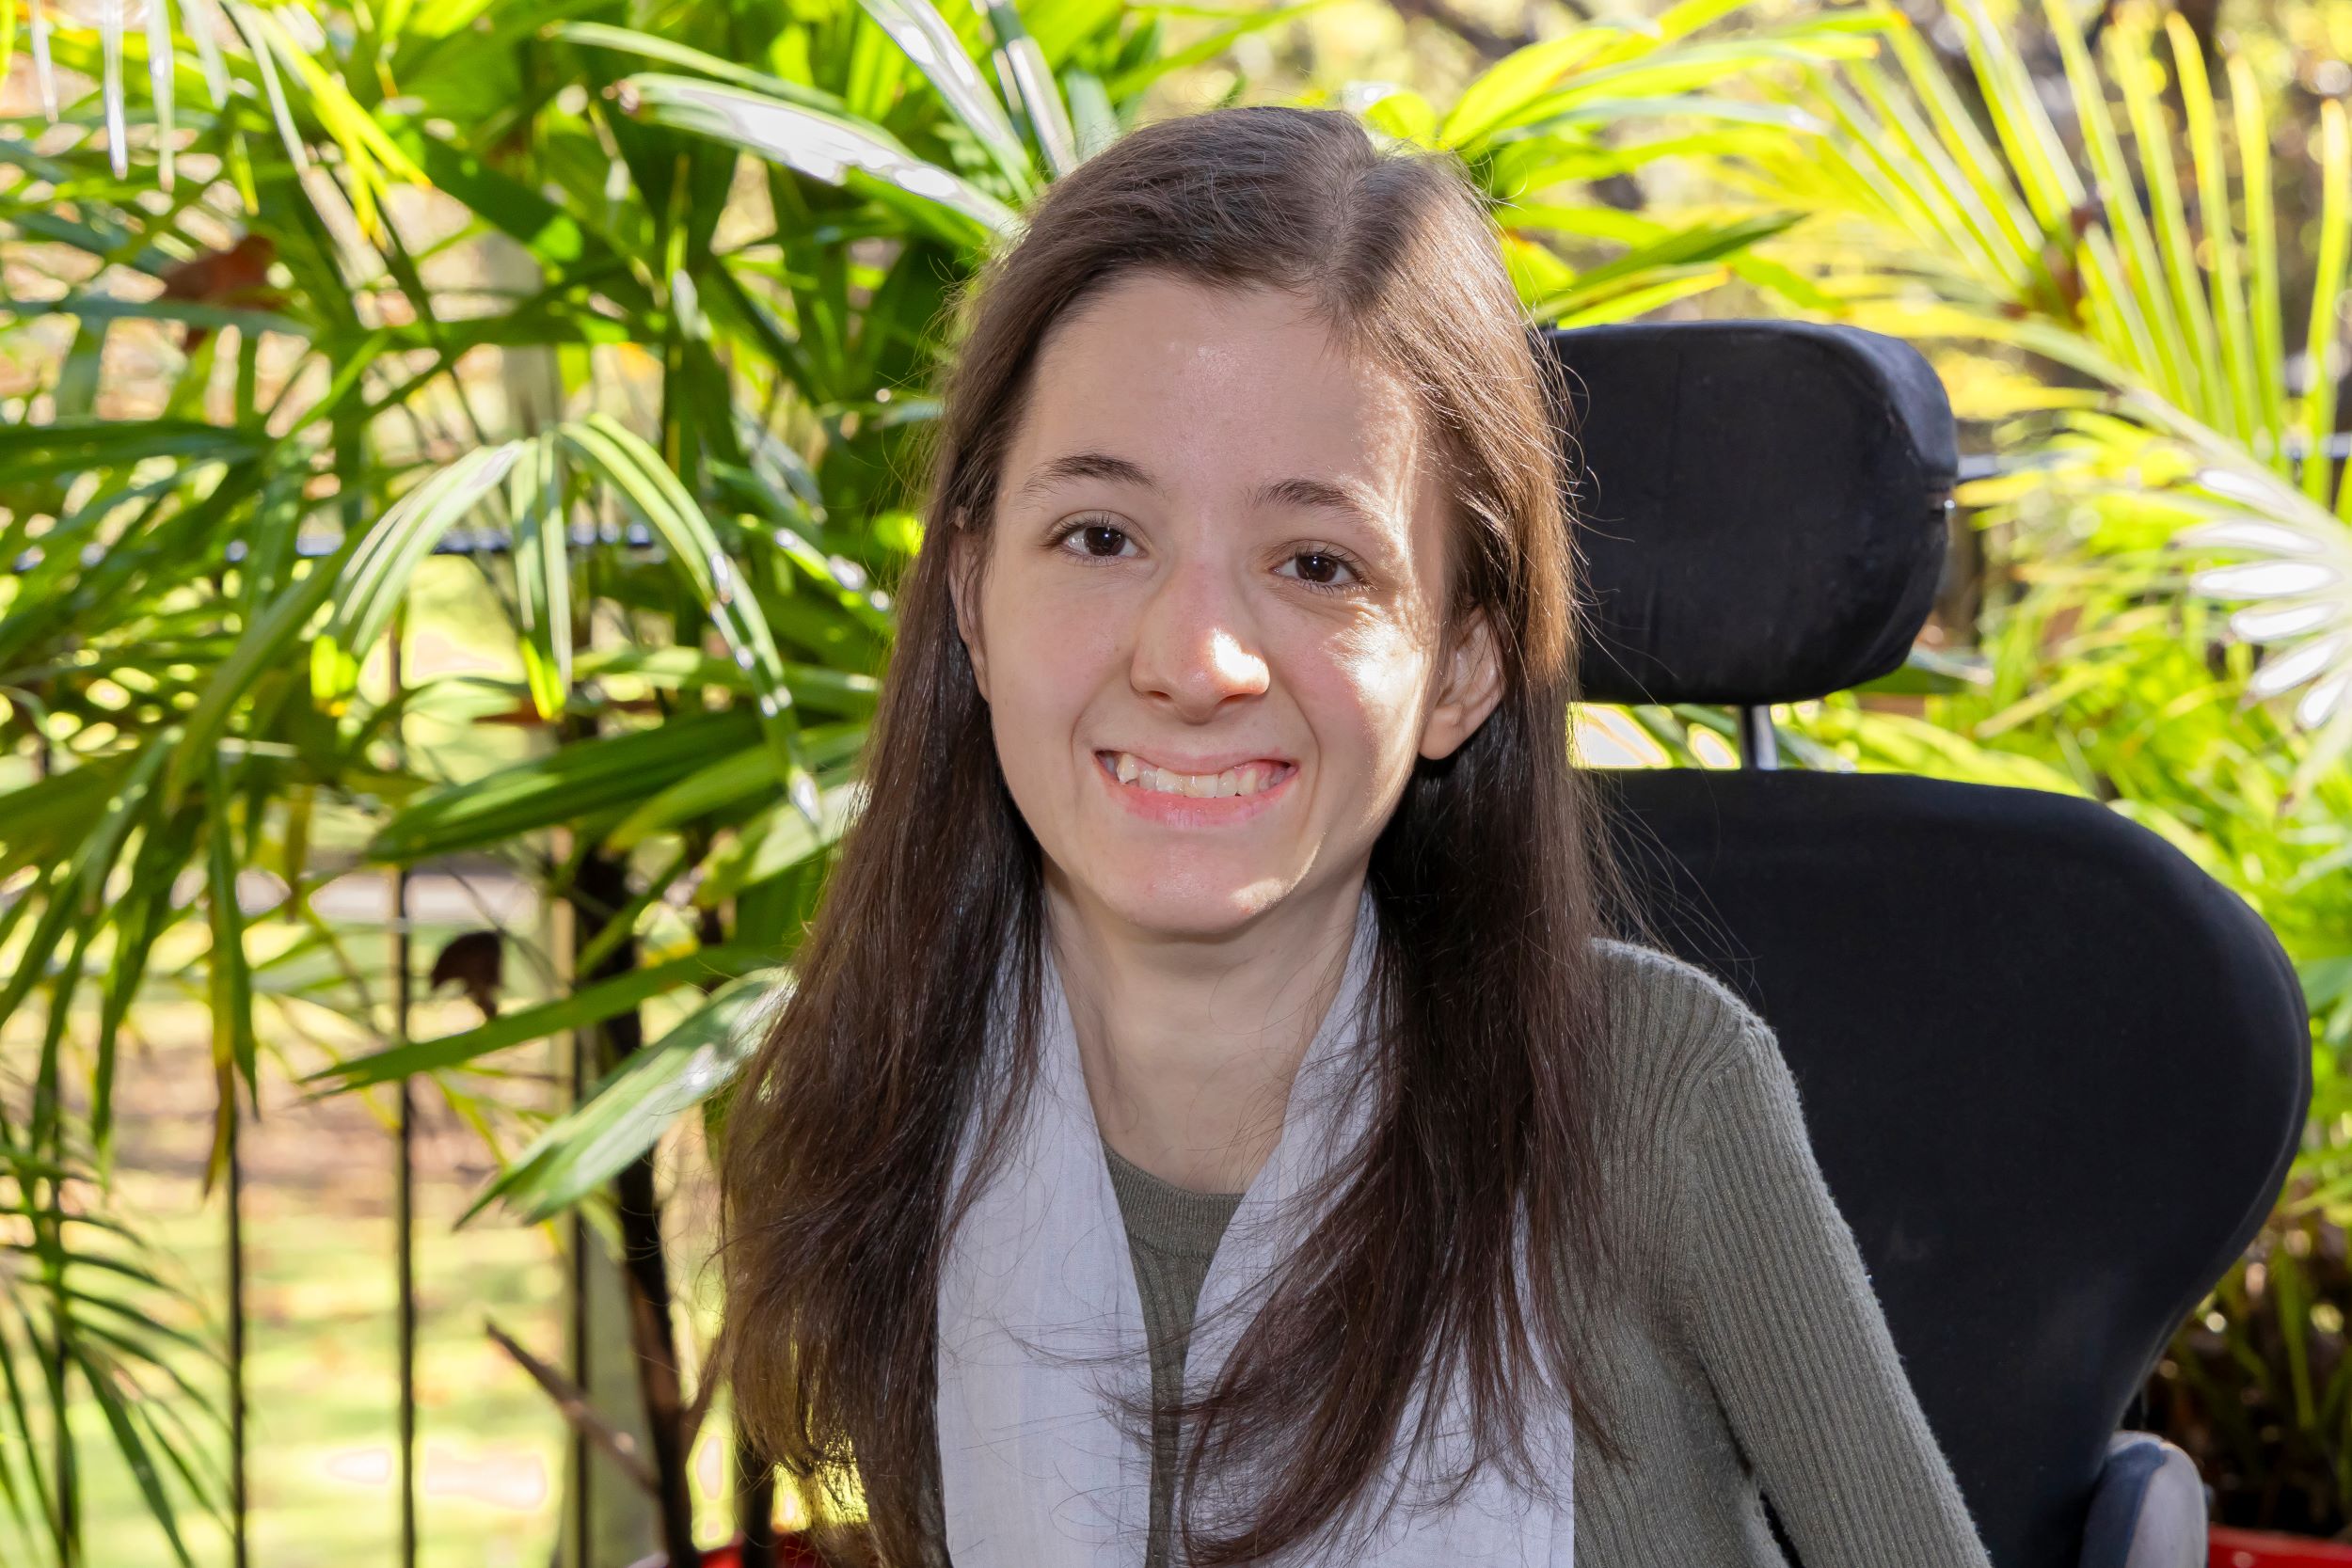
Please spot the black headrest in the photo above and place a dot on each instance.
(1791, 481)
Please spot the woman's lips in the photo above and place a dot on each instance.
(1177, 810)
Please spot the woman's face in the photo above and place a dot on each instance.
(1208, 632)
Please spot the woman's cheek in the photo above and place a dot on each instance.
(1059, 641)
(1382, 671)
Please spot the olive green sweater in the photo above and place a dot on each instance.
(1751, 1357)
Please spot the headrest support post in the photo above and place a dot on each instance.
(1760, 743)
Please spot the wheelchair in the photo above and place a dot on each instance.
(2053, 1073)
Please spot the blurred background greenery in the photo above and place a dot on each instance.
(452, 458)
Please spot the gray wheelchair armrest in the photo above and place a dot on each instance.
(2147, 1507)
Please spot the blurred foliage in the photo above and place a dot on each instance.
(2256, 1386)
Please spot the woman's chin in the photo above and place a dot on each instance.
(1185, 901)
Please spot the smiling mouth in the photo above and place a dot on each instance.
(1249, 778)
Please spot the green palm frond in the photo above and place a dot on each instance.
(2125, 265)
(86, 1310)
(1561, 114)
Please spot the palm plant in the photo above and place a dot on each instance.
(84, 1306)
(2173, 389)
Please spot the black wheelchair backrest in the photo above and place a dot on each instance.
(2054, 1072)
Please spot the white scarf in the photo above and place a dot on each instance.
(1039, 1317)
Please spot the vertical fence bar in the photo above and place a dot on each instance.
(403, 1168)
(754, 1502)
(565, 954)
(580, 1072)
(239, 1556)
(65, 1523)
(405, 1220)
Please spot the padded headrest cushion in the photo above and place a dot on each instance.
(1760, 506)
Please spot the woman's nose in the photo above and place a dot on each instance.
(1195, 642)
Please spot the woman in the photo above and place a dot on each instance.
(1217, 975)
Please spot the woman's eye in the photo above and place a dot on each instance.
(1325, 569)
(1101, 540)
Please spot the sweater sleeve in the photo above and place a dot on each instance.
(1774, 1296)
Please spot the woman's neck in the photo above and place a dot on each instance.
(1189, 1044)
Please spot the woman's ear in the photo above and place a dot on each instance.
(1470, 685)
(962, 555)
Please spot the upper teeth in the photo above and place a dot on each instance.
(1249, 778)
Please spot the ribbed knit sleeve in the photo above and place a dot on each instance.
(1774, 1296)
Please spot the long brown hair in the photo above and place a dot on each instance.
(1489, 880)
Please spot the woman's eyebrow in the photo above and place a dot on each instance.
(1355, 502)
(1084, 465)
(1352, 502)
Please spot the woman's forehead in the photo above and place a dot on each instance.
(1163, 382)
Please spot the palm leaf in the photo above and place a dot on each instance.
(830, 148)
(927, 40)
(698, 1057)
(584, 1008)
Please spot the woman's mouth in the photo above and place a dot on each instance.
(1167, 796)
(1246, 778)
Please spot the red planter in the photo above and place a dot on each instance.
(2254, 1548)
